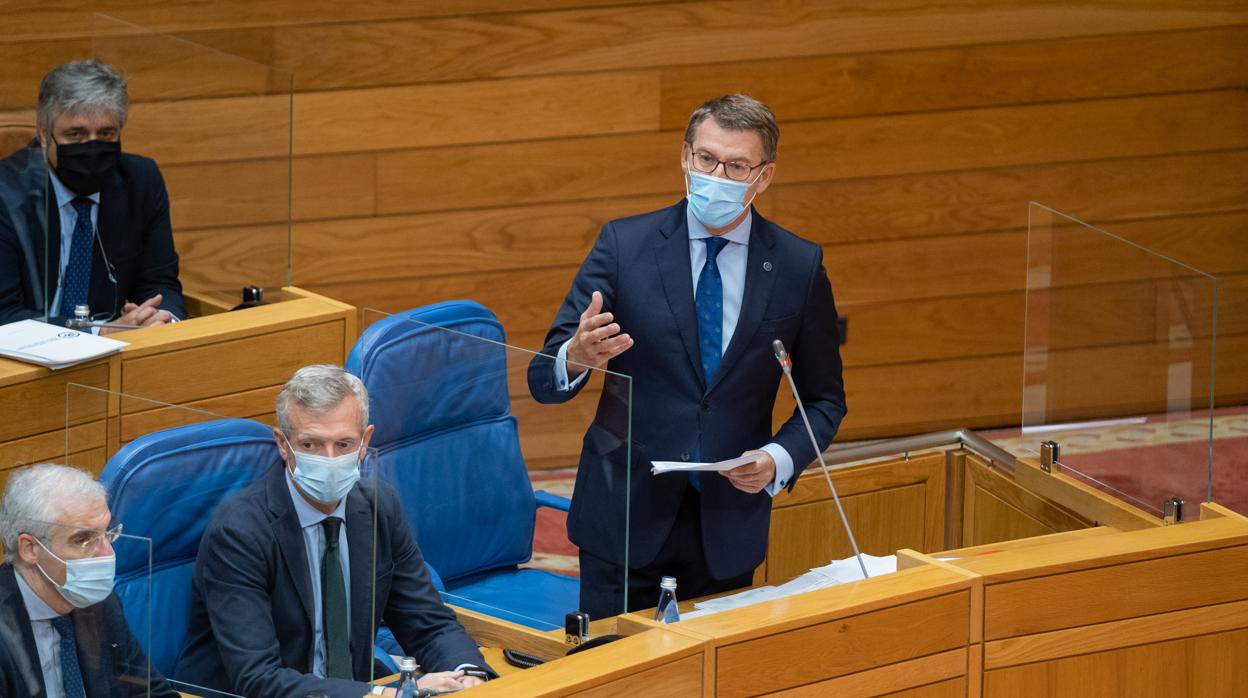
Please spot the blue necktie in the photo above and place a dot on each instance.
(71, 675)
(77, 278)
(710, 302)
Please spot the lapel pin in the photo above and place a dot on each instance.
(766, 266)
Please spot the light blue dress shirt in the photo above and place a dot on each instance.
(731, 262)
(47, 640)
(314, 546)
(68, 216)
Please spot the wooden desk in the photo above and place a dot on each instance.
(231, 364)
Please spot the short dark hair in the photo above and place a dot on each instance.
(738, 112)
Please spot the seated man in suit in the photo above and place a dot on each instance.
(62, 631)
(82, 223)
(289, 586)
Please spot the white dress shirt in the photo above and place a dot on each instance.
(314, 546)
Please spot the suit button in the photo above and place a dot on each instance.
(706, 405)
(685, 456)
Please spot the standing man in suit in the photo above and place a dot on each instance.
(62, 630)
(81, 222)
(687, 300)
(295, 571)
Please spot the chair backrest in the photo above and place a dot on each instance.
(437, 382)
(165, 486)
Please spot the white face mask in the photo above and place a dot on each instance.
(87, 581)
(323, 478)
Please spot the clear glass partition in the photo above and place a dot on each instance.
(110, 658)
(219, 129)
(1119, 362)
(468, 427)
(219, 126)
(168, 469)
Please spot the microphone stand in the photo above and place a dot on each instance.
(787, 366)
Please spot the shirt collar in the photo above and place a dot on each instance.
(309, 515)
(64, 195)
(740, 234)
(36, 607)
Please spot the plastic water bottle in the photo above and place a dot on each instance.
(407, 678)
(666, 610)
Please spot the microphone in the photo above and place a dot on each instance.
(786, 365)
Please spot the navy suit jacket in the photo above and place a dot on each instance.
(134, 231)
(251, 630)
(112, 663)
(641, 266)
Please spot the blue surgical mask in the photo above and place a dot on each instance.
(323, 478)
(87, 581)
(716, 202)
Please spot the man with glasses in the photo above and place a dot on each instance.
(296, 571)
(687, 301)
(62, 631)
(81, 222)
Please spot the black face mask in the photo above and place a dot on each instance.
(84, 167)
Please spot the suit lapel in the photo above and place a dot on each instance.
(672, 255)
(110, 220)
(289, 537)
(17, 636)
(361, 543)
(760, 278)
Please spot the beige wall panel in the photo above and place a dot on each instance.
(874, 146)
(465, 48)
(890, 82)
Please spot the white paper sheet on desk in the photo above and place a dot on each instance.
(53, 346)
(669, 466)
(837, 572)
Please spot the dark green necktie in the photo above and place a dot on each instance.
(334, 606)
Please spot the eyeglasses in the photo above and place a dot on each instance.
(85, 540)
(704, 162)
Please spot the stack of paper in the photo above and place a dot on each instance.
(668, 466)
(53, 346)
(838, 572)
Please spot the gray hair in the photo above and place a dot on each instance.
(738, 112)
(34, 499)
(319, 388)
(89, 85)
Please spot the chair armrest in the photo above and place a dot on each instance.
(553, 501)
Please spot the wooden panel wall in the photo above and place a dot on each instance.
(472, 149)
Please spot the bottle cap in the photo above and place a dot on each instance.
(82, 310)
(408, 664)
(667, 583)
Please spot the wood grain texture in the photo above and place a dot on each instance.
(944, 671)
(842, 646)
(1210, 665)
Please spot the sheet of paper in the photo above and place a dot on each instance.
(53, 346)
(667, 466)
(837, 572)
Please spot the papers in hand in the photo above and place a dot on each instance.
(53, 346)
(668, 466)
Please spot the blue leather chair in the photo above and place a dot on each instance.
(165, 486)
(446, 441)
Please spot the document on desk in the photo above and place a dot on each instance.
(838, 572)
(668, 466)
(53, 346)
